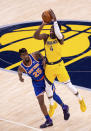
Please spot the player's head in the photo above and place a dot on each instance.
(52, 32)
(24, 55)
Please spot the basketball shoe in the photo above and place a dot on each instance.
(66, 112)
(82, 105)
(47, 124)
(52, 109)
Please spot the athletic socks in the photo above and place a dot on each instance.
(47, 117)
(57, 99)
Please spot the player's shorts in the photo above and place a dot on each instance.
(56, 70)
(39, 87)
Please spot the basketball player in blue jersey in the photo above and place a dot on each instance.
(55, 65)
(32, 65)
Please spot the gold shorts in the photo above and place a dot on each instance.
(57, 70)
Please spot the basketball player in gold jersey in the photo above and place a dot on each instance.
(55, 65)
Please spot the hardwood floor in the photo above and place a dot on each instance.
(19, 109)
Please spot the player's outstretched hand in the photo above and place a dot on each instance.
(52, 15)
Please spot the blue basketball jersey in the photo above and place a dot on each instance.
(35, 70)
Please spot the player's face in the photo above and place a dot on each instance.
(25, 57)
(52, 33)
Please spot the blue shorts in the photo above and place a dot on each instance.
(39, 87)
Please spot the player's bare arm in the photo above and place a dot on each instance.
(20, 71)
(43, 59)
(39, 36)
(59, 35)
(37, 55)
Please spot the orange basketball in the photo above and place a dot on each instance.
(46, 16)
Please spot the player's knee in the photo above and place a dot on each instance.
(40, 100)
(41, 103)
(71, 87)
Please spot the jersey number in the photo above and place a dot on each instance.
(38, 72)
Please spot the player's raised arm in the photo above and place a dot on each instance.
(37, 34)
(20, 71)
(58, 34)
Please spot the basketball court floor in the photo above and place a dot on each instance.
(19, 109)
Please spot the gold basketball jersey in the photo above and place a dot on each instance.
(53, 50)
